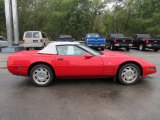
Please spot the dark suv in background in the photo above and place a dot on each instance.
(65, 38)
(143, 41)
(3, 42)
(115, 41)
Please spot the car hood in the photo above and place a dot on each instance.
(122, 57)
(117, 54)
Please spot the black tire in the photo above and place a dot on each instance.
(27, 48)
(127, 48)
(121, 74)
(49, 75)
(112, 47)
(37, 48)
(155, 49)
(102, 48)
(141, 47)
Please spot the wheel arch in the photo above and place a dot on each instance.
(40, 62)
(133, 62)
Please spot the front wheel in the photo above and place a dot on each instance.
(129, 74)
(41, 75)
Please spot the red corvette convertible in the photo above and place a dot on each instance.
(74, 60)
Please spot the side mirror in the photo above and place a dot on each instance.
(87, 55)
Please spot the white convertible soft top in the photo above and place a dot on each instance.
(51, 47)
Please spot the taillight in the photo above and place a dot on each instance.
(115, 40)
(41, 40)
(146, 41)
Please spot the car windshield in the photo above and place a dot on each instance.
(117, 35)
(65, 37)
(144, 36)
(90, 50)
(94, 35)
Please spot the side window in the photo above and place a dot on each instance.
(47, 36)
(35, 34)
(135, 36)
(28, 35)
(70, 50)
(4, 39)
(43, 35)
(62, 50)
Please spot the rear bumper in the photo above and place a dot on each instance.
(123, 45)
(96, 45)
(152, 46)
(18, 70)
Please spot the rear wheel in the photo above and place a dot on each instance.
(156, 50)
(102, 48)
(27, 48)
(127, 48)
(41, 75)
(129, 74)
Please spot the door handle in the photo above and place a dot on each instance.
(60, 59)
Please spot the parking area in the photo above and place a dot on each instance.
(84, 99)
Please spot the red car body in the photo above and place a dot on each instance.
(105, 65)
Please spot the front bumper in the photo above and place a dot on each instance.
(149, 70)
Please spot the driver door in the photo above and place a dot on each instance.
(71, 62)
